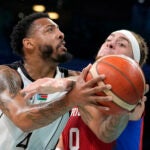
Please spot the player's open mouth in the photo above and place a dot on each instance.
(63, 48)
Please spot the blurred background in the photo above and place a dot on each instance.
(85, 23)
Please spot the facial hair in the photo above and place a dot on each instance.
(47, 51)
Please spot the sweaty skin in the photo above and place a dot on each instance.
(29, 117)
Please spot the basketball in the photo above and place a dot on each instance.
(126, 78)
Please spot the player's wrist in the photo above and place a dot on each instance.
(69, 84)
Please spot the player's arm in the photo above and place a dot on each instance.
(105, 126)
(28, 117)
(60, 145)
(108, 127)
(47, 86)
(50, 85)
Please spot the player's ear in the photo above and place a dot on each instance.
(28, 43)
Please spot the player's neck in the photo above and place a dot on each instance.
(40, 70)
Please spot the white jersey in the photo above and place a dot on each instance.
(10, 135)
(12, 138)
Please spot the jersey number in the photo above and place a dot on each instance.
(24, 142)
(74, 139)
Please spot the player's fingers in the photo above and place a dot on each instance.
(144, 99)
(85, 71)
(100, 107)
(146, 88)
(96, 99)
(95, 80)
(30, 90)
(99, 88)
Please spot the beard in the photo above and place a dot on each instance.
(47, 52)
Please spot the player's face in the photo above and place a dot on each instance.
(116, 44)
(49, 41)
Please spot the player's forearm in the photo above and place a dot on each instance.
(30, 117)
(39, 115)
(113, 127)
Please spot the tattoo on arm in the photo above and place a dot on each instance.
(11, 84)
(40, 114)
(10, 80)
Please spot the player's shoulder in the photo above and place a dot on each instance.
(4, 69)
(9, 72)
(15, 65)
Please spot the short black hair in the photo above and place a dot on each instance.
(21, 30)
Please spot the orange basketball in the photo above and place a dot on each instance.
(125, 76)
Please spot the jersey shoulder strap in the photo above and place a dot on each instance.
(64, 70)
(14, 65)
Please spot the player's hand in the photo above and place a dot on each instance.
(85, 92)
(137, 113)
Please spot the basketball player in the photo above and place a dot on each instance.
(40, 43)
(88, 128)
(77, 133)
(26, 40)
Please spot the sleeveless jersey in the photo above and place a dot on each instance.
(77, 136)
(12, 138)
